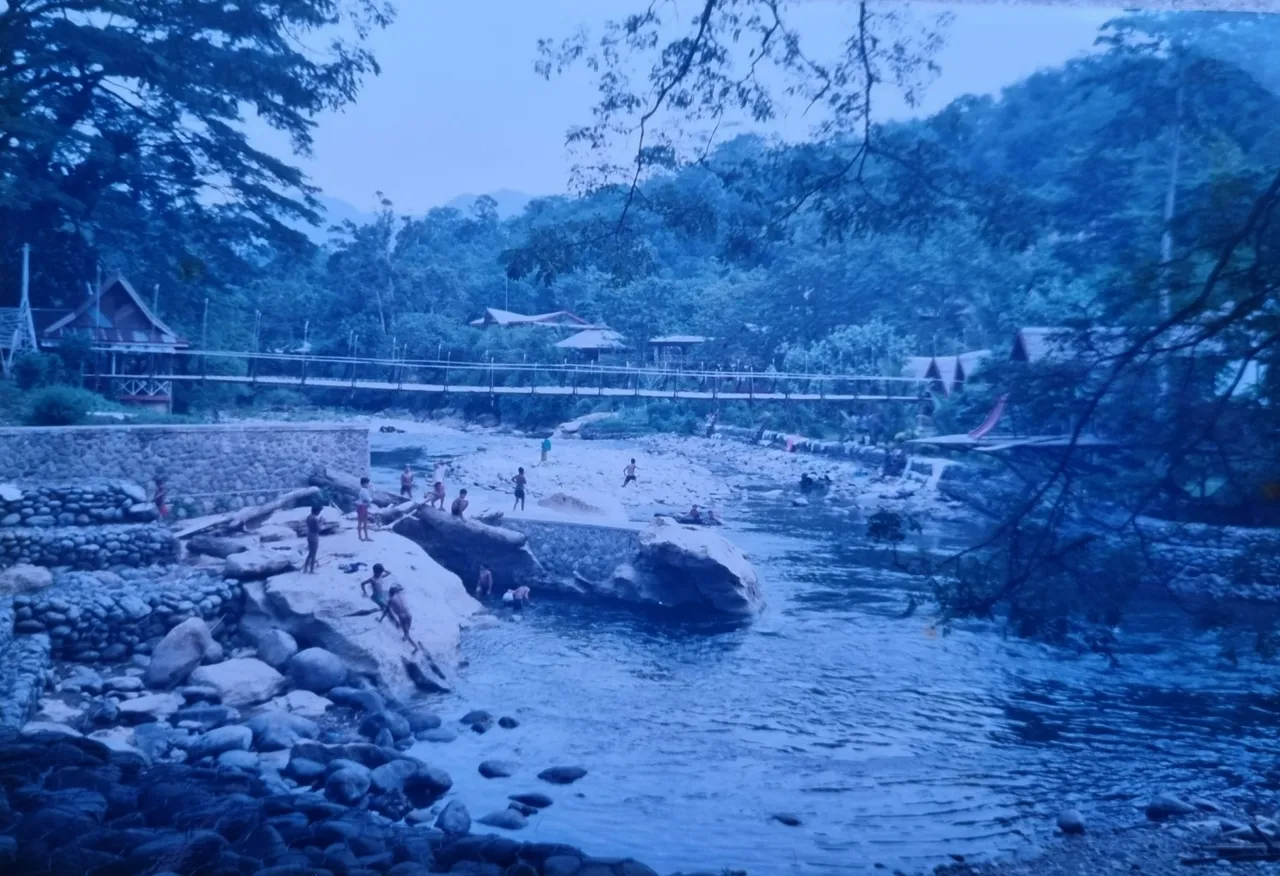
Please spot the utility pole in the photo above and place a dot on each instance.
(506, 295)
(155, 302)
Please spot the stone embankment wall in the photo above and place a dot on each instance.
(88, 547)
(107, 617)
(206, 468)
(590, 550)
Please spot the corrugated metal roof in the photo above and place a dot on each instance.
(593, 339)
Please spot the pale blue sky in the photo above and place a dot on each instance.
(458, 108)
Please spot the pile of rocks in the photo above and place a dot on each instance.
(24, 663)
(72, 804)
(108, 616)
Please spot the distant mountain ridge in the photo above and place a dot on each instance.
(337, 211)
(510, 202)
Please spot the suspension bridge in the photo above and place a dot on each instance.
(156, 375)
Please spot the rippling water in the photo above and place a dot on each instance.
(893, 743)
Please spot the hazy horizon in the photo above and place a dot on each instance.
(416, 134)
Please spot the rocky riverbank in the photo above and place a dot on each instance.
(75, 805)
(232, 714)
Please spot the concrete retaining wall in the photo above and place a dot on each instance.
(590, 550)
(207, 468)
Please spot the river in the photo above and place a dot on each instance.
(895, 744)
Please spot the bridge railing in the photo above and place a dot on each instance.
(292, 369)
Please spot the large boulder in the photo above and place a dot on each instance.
(274, 730)
(181, 650)
(259, 564)
(679, 567)
(276, 648)
(327, 610)
(461, 545)
(24, 578)
(217, 546)
(243, 681)
(317, 670)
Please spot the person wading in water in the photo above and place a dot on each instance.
(406, 482)
(484, 584)
(519, 480)
(313, 540)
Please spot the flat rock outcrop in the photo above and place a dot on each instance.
(327, 610)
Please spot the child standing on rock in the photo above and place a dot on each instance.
(161, 499)
(546, 448)
(363, 500)
(519, 480)
(313, 540)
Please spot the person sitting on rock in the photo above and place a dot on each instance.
(313, 540)
(399, 612)
(377, 585)
(459, 507)
(484, 584)
(695, 514)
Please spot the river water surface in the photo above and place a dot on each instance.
(893, 743)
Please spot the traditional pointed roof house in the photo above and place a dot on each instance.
(133, 347)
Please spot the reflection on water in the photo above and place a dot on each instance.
(892, 742)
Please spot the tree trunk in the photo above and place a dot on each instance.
(236, 520)
(1170, 211)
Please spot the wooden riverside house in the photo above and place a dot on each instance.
(132, 348)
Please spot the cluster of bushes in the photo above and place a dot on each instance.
(44, 390)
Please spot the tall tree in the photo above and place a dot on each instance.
(123, 116)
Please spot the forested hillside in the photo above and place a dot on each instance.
(1054, 201)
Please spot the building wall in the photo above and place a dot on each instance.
(206, 468)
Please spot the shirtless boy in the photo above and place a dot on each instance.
(377, 585)
(406, 482)
(313, 540)
(459, 507)
(520, 481)
(484, 583)
(629, 474)
(399, 611)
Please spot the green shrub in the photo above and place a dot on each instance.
(31, 370)
(60, 406)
